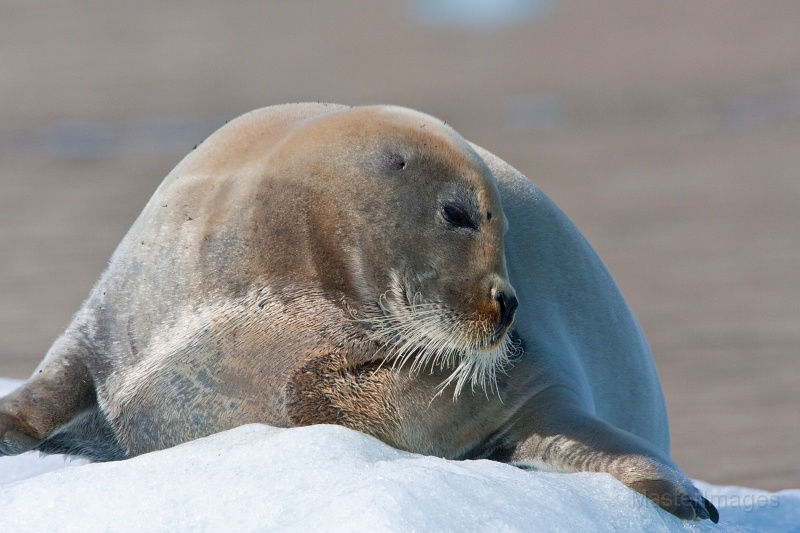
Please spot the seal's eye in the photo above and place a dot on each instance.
(457, 217)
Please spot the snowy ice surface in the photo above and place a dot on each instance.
(328, 478)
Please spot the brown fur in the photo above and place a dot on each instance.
(325, 390)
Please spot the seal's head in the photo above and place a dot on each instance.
(407, 229)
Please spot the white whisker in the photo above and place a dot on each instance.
(427, 334)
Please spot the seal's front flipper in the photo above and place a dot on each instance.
(562, 437)
(59, 390)
(15, 435)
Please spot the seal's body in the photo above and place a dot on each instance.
(366, 267)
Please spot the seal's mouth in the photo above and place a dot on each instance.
(497, 338)
(424, 334)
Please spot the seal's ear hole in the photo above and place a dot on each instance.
(488, 215)
(457, 216)
(395, 162)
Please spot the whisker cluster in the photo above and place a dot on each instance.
(419, 334)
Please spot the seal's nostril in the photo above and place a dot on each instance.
(508, 305)
(511, 305)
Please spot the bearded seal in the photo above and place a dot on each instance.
(366, 267)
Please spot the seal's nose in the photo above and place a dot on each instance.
(508, 306)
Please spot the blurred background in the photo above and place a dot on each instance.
(668, 131)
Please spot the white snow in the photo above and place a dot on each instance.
(328, 478)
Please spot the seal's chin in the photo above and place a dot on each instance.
(480, 367)
(495, 340)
